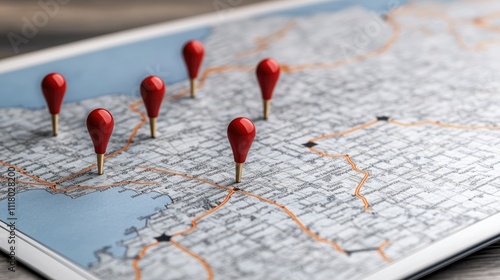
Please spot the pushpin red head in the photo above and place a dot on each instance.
(241, 133)
(193, 53)
(152, 92)
(268, 73)
(100, 125)
(54, 88)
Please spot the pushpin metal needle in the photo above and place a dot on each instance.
(152, 92)
(55, 124)
(54, 88)
(267, 108)
(193, 53)
(100, 164)
(192, 83)
(239, 172)
(268, 73)
(241, 133)
(100, 125)
(152, 125)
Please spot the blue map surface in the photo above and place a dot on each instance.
(77, 227)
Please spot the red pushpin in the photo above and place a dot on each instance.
(240, 132)
(54, 88)
(152, 92)
(100, 125)
(268, 73)
(193, 53)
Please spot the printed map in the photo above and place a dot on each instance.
(384, 137)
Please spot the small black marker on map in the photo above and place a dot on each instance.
(382, 118)
(163, 238)
(309, 144)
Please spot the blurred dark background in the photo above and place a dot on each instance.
(73, 20)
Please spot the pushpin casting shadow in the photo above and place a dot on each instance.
(268, 73)
(240, 132)
(54, 88)
(152, 92)
(193, 53)
(100, 125)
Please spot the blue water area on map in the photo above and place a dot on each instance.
(76, 228)
(120, 69)
(113, 70)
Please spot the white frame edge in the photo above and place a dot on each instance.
(35, 255)
(441, 250)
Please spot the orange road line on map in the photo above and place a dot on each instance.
(76, 174)
(435, 123)
(209, 71)
(380, 251)
(178, 95)
(194, 222)
(480, 22)
(222, 69)
(361, 183)
(297, 221)
(135, 263)
(365, 173)
(395, 36)
(371, 123)
(354, 167)
(296, 68)
(281, 206)
(454, 32)
(354, 129)
(452, 29)
(21, 170)
(27, 183)
(484, 43)
(186, 176)
(53, 187)
(262, 43)
(132, 107)
(484, 21)
(436, 12)
(210, 273)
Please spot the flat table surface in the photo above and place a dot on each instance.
(84, 19)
